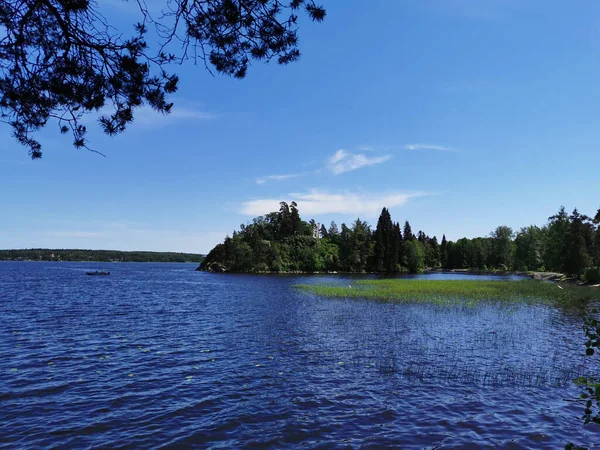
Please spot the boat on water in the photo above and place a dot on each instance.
(98, 272)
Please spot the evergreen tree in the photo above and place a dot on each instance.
(345, 252)
(577, 257)
(377, 261)
(333, 229)
(396, 257)
(323, 231)
(556, 241)
(399, 244)
(596, 253)
(333, 234)
(295, 220)
(384, 242)
(450, 256)
(390, 260)
(285, 221)
(408, 236)
(433, 252)
(596, 248)
(444, 252)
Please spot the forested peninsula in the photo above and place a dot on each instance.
(282, 242)
(44, 254)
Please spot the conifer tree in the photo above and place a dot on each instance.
(444, 252)
(577, 257)
(323, 231)
(596, 253)
(295, 220)
(408, 236)
(433, 252)
(383, 251)
(396, 257)
(556, 241)
(333, 229)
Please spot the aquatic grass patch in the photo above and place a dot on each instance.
(467, 292)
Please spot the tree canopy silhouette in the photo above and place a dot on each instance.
(61, 59)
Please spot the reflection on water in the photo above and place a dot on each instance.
(157, 354)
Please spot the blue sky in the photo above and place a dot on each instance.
(458, 115)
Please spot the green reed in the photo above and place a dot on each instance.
(456, 291)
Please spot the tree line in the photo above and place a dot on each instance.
(281, 241)
(43, 254)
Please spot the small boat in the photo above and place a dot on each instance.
(98, 272)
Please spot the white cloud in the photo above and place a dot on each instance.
(343, 161)
(438, 148)
(147, 117)
(263, 180)
(340, 162)
(317, 202)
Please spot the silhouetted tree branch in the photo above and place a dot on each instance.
(61, 59)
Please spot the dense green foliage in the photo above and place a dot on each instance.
(467, 292)
(592, 275)
(43, 254)
(281, 241)
(567, 244)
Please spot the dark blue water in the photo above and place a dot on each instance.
(160, 356)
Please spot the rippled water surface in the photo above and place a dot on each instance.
(157, 355)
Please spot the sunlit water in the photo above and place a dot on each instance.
(157, 355)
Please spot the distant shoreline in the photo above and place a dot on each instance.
(93, 261)
(102, 256)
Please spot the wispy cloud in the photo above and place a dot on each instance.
(437, 148)
(182, 111)
(263, 180)
(343, 161)
(317, 202)
(148, 117)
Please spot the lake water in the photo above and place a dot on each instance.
(160, 356)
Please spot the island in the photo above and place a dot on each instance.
(281, 242)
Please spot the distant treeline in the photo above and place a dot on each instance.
(281, 241)
(43, 254)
